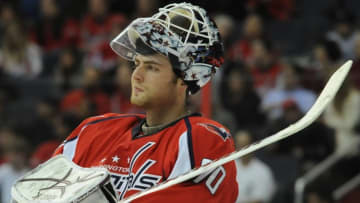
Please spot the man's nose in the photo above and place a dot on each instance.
(138, 74)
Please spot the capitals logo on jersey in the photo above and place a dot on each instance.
(139, 180)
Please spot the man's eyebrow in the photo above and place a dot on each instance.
(152, 62)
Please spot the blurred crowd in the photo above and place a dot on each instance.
(56, 68)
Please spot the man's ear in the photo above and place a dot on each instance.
(182, 84)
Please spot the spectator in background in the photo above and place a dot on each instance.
(97, 28)
(67, 70)
(252, 30)
(19, 58)
(53, 31)
(7, 16)
(6, 134)
(321, 190)
(327, 55)
(29, 9)
(326, 58)
(16, 153)
(227, 26)
(3, 106)
(48, 30)
(309, 146)
(63, 125)
(102, 56)
(319, 195)
(290, 89)
(344, 31)
(264, 66)
(41, 123)
(343, 115)
(145, 8)
(89, 99)
(255, 179)
(355, 70)
(239, 97)
(95, 24)
(281, 10)
(120, 100)
(8, 95)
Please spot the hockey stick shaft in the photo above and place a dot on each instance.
(327, 94)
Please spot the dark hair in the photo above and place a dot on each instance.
(266, 43)
(296, 68)
(56, 26)
(341, 15)
(332, 49)
(145, 50)
(236, 66)
(323, 192)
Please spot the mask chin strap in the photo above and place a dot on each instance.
(192, 87)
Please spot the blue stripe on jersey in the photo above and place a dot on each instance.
(191, 150)
(101, 120)
(110, 118)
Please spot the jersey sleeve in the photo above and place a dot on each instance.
(211, 141)
(72, 148)
(68, 146)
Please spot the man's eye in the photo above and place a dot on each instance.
(152, 68)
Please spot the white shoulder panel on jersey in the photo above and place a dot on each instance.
(183, 161)
(69, 148)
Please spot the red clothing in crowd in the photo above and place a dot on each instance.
(355, 74)
(73, 100)
(47, 39)
(267, 77)
(43, 152)
(96, 30)
(241, 51)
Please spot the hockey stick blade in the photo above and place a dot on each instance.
(326, 95)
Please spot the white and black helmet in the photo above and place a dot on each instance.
(184, 33)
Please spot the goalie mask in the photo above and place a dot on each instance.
(182, 32)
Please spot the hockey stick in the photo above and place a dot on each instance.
(327, 94)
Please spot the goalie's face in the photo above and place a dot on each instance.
(154, 84)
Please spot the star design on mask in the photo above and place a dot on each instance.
(193, 76)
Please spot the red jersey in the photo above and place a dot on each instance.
(140, 162)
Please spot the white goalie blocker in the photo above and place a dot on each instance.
(59, 180)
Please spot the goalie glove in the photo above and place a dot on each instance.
(60, 180)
